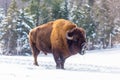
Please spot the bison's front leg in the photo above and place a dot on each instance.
(62, 61)
(59, 61)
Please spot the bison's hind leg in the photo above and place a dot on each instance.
(35, 59)
(35, 53)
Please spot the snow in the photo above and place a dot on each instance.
(94, 65)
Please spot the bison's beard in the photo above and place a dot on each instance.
(82, 51)
(76, 49)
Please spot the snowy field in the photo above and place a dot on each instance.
(94, 65)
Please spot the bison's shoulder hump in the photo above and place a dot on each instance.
(62, 24)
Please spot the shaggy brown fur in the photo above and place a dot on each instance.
(51, 38)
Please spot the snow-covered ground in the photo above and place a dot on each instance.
(94, 65)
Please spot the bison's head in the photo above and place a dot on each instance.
(76, 40)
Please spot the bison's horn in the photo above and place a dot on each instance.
(68, 37)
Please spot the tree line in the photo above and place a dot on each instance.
(93, 16)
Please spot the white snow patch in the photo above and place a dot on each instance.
(94, 65)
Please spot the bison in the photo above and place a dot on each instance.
(61, 37)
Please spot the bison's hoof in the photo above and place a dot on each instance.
(36, 64)
(59, 67)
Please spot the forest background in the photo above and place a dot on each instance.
(100, 19)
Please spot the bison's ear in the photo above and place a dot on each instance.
(69, 35)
